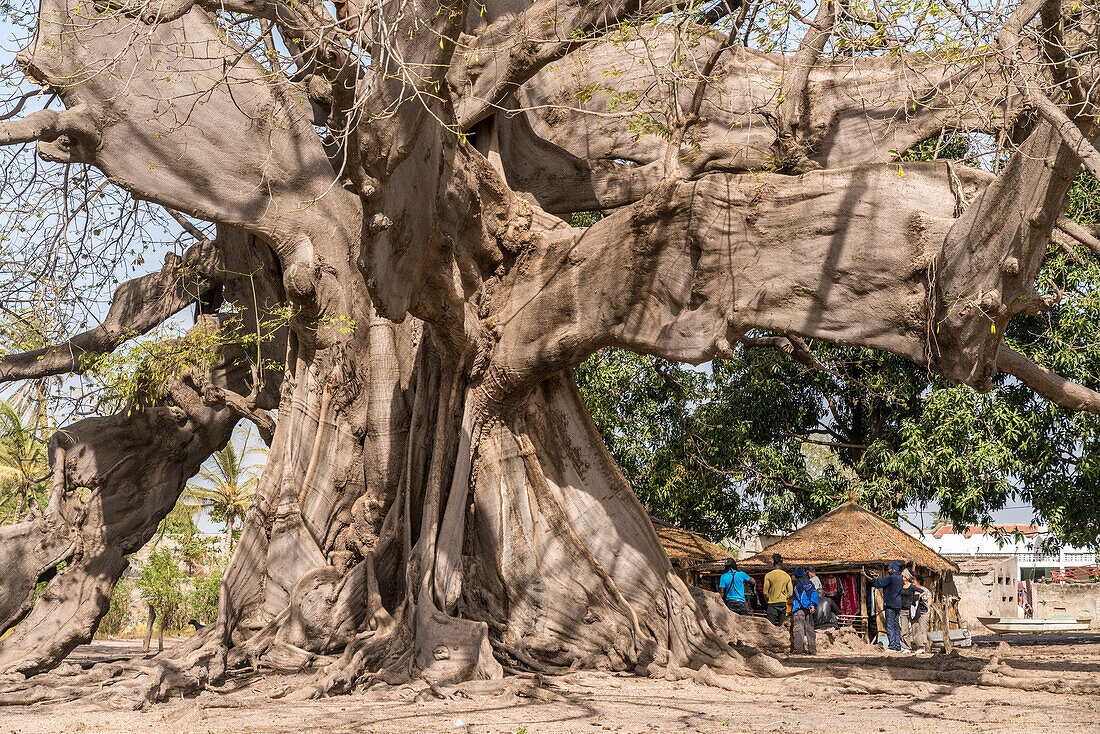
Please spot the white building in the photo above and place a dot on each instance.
(1025, 542)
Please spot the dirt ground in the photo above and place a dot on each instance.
(811, 699)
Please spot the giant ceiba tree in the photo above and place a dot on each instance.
(436, 501)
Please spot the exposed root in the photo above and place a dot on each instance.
(899, 674)
(381, 654)
(127, 685)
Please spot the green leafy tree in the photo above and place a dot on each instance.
(182, 520)
(23, 465)
(118, 614)
(161, 584)
(202, 598)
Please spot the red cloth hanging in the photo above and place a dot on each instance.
(849, 597)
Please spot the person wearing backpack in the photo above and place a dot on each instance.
(803, 606)
(732, 587)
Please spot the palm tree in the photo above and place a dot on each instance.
(22, 459)
(227, 488)
(182, 518)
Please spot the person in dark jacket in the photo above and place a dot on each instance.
(803, 606)
(891, 585)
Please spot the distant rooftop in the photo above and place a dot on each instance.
(1027, 530)
(979, 565)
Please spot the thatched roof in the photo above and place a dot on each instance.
(686, 548)
(850, 536)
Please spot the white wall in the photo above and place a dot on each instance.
(1025, 551)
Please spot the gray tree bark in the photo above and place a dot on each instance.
(437, 503)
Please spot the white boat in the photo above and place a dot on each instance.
(1025, 624)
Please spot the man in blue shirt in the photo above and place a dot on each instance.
(891, 586)
(732, 587)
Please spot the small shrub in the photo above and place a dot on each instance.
(118, 615)
(202, 600)
(161, 586)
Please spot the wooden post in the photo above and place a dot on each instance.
(880, 611)
(863, 607)
(944, 625)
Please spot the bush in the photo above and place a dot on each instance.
(161, 586)
(202, 600)
(118, 615)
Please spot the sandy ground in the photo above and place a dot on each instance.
(594, 702)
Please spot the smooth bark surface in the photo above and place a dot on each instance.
(436, 502)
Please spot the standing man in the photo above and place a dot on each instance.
(891, 585)
(777, 590)
(803, 606)
(732, 587)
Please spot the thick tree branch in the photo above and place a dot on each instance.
(49, 125)
(1067, 244)
(138, 306)
(244, 406)
(516, 47)
(726, 254)
(988, 269)
(1068, 130)
(870, 112)
(1079, 233)
(794, 106)
(214, 136)
(1050, 385)
(1064, 69)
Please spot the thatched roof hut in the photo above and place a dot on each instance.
(851, 536)
(843, 542)
(687, 549)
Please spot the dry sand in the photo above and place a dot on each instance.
(808, 701)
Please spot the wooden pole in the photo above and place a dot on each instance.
(944, 626)
(879, 609)
(863, 607)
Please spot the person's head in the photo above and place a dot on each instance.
(895, 566)
(731, 564)
(810, 573)
(777, 560)
(799, 572)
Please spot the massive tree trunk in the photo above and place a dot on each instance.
(436, 501)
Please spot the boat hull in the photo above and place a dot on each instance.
(1001, 625)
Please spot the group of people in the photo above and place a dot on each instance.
(904, 597)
